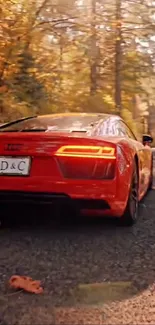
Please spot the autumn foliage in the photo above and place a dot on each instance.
(67, 55)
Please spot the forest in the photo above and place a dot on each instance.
(68, 55)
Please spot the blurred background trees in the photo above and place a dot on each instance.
(84, 55)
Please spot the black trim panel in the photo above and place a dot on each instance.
(51, 198)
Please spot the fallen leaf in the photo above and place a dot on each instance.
(25, 283)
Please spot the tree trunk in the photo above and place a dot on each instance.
(93, 51)
(60, 64)
(118, 58)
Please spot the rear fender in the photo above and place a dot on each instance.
(124, 163)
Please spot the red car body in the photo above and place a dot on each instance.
(85, 160)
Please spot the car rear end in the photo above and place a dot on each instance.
(53, 168)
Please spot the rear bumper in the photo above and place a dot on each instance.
(61, 200)
(106, 196)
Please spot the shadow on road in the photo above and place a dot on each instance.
(35, 217)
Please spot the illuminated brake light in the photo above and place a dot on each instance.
(86, 151)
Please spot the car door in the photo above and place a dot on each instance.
(144, 155)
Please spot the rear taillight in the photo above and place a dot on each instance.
(87, 151)
(75, 162)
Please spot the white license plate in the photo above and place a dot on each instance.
(14, 166)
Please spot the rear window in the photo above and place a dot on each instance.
(51, 123)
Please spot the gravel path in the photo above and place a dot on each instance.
(63, 257)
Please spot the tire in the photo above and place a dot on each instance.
(130, 215)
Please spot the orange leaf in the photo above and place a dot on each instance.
(25, 283)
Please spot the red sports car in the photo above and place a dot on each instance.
(92, 162)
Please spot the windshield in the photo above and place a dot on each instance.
(51, 123)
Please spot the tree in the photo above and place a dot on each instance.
(118, 57)
(74, 56)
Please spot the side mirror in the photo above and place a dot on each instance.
(147, 139)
